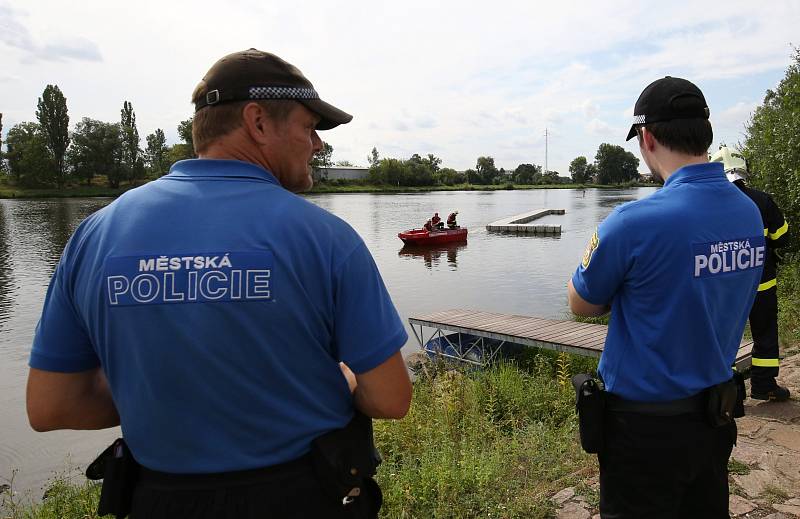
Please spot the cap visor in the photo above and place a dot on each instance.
(632, 133)
(330, 116)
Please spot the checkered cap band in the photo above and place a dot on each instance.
(277, 92)
(638, 119)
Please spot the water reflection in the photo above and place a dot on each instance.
(432, 255)
(615, 200)
(7, 288)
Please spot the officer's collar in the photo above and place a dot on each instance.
(220, 168)
(697, 172)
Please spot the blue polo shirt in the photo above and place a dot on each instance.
(680, 269)
(219, 305)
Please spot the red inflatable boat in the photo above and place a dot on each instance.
(423, 237)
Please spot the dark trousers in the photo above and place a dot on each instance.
(288, 491)
(664, 467)
(764, 327)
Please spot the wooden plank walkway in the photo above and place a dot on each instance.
(520, 223)
(568, 336)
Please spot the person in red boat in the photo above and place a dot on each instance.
(451, 220)
(436, 221)
(428, 226)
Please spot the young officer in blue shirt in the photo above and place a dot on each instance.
(208, 312)
(679, 271)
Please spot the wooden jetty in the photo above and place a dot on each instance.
(568, 336)
(520, 223)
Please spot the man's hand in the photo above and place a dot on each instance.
(352, 383)
(69, 400)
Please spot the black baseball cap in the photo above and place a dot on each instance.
(253, 75)
(666, 99)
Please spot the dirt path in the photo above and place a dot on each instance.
(765, 464)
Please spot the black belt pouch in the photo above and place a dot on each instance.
(722, 402)
(119, 471)
(741, 394)
(589, 404)
(345, 460)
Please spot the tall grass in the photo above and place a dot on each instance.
(483, 443)
(68, 496)
(789, 303)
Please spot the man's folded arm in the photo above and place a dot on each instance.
(385, 390)
(79, 400)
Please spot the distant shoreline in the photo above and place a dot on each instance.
(13, 192)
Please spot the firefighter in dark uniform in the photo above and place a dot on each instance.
(764, 314)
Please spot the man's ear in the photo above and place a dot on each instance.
(648, 141)
(256, 123)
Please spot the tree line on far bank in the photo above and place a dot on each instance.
(613, 165)
(46, 153)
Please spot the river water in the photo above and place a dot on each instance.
(495, 272)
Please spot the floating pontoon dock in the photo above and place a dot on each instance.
(453, 326)
(521, 223)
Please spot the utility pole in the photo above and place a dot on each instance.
(545, 151)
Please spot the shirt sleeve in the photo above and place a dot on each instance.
(368, 329)
(60, 342)
(777, 226)
(605, 263)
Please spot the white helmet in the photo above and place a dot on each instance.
(733, 162)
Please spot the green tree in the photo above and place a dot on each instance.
(51, 111)
(2, 157)
(373, 158)
(322, 159)
(615, 165)
(433, 161)
(29, 161)
(97, 148)
(132, 163)
(156, 153)
(772, 147)
(527, 174)
(591, 173)
(449, 177)
(185, 133)
(577, 169)
(486, 169)
(550, 177)
(388, 171)
(420, 171)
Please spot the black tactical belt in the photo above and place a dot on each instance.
(692, 404)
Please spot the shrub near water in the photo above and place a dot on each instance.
(491, 443)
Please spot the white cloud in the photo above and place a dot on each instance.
(470, 78)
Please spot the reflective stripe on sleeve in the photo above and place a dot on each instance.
(766, 363)
(767, 284)
(780, 232)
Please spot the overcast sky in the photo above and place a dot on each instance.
(456, 79)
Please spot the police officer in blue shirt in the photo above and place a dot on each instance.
(679, 271)
(219, 318)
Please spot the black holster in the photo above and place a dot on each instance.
(726, 401)
(345, 461)
(741, 394)
(590, 406)
(119, 472)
